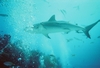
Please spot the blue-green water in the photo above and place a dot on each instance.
(73, 50)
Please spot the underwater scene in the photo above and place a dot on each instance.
(49, 33)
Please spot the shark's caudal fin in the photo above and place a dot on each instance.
(89, 27)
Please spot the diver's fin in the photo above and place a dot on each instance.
(89, 27)
(47, 36)
(52, 18)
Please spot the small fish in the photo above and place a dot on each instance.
(1, 31)
(63, 12)
(4, 15)
(8, 63)
(68, 40)
(78, 39)
(46, 1)
(91, 42)
(73, 54)
(98, 36)
(77, 7)
(92, 14)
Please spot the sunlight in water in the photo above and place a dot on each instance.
(48, 34)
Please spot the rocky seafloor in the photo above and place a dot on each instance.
(14, 55)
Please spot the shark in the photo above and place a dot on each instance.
(54, 26)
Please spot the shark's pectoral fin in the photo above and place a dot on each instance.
(77, 31)
(67, 30)
(47, 36)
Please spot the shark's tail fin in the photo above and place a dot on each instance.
(89, 27)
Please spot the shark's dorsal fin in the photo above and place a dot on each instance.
(52, 18)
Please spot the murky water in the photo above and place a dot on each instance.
(62, 47)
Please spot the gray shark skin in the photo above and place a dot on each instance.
(53, 26)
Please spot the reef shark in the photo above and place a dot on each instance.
(53, 26)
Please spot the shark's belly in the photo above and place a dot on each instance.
(54, 30)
